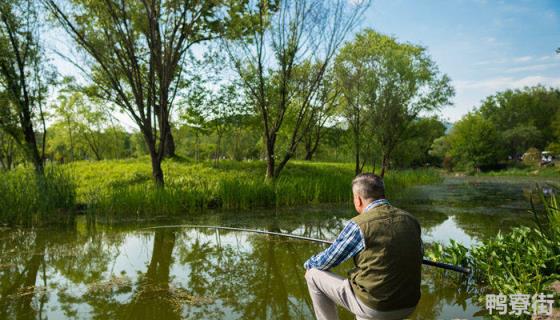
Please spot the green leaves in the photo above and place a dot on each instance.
(525, 260)
(387, 84)
(474, 141)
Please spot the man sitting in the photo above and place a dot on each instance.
(385, 244)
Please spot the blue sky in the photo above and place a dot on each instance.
(484, 46)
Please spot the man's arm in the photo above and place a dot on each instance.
(348, 243)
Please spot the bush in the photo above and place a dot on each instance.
(532, 157)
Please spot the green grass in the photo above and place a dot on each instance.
(29, 199)
(125, 188)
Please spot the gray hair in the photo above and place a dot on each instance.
(368, 186)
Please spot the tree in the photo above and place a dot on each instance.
(8, 153)
(24, 78)
(474, 141)
(285, 34)
(520, 138)
(323, 106)
(136, 52)
(527, 110)
(224, 111)
(388, 84)
(66, 110)
(417, 141)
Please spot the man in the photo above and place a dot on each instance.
(387, 250)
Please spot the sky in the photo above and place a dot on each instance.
(484, 46)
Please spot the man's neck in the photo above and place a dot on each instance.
(375, 203)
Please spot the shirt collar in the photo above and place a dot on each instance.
(376, 203)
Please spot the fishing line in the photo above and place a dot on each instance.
(442, 265)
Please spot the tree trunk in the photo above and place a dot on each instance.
(383, 165)
(270, 160)
(218, 152)
(169, 148)
(311, 147)
(31, 146)
(157, 172)
(308, 150)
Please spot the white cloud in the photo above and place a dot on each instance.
(502, 83)
(533, 67)
(523, 59)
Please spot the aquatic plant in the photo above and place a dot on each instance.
(525, 260)
(27, 198)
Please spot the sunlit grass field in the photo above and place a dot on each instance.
(124, 188)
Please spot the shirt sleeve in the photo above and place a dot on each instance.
(348, 243)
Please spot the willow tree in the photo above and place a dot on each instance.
(136, 50)
(24, 78)
(286, 34)
(387, 85)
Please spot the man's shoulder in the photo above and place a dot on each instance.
(382, 212)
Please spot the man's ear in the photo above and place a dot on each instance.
(360, 201)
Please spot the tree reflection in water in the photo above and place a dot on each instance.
(172, 273)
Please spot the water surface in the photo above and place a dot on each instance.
(129, 271)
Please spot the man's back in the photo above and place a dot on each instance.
(388, 271)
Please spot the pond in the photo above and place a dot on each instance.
(131, 271)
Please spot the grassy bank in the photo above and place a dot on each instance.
(125, 187)
(27, 198)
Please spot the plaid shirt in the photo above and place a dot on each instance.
(348, 244)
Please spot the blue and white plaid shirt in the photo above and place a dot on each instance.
(348, 244)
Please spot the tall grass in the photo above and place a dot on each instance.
(27, 198)
(124, 188)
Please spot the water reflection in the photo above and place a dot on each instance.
(100, 271)
(171, 274)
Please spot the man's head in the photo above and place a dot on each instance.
(367, 187)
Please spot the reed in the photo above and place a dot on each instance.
(27, 198)
(124, 188)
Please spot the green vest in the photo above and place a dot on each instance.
(388, 271)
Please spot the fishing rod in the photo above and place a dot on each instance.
(442, 265)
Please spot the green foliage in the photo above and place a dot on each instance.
(386, 85)
(414, 151)
(474, 142)
(520, 138)
(455, 253)
(524, 260)
(520, 261)
(124, 188)
(25, 76)
(532, 157)
(27, 197)
(529, 111)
